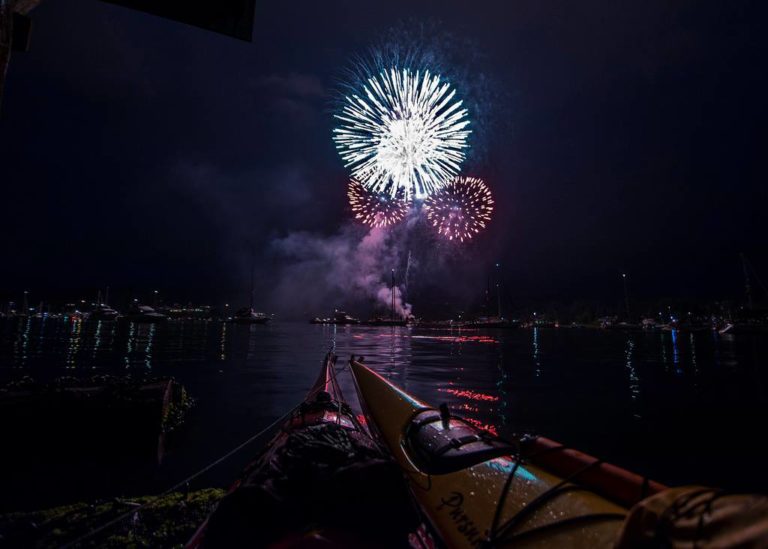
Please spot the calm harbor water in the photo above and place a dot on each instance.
(680, 407)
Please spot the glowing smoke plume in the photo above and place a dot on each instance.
(323, 272)
(404, 132)
(460, 210)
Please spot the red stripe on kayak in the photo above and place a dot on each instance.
(605, 479)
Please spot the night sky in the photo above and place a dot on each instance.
(622, 136)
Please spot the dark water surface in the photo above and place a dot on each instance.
(680, 407)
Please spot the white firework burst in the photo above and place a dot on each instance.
(404, 133)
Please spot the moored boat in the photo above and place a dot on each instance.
(247, 315)
(387, 322)
(339, 317)
(143, 314)
(492, 322)
(103, 312)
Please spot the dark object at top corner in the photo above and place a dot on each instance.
(230, 17)
(22, 31)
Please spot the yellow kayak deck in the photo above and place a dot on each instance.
(464, 506)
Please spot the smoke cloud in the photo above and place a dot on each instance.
(350, 269)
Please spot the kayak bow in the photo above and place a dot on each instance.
(321, 481)
(477, 490)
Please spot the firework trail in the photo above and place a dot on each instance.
(461, 209)
(407, 272)
(375, 209)
(403, 132)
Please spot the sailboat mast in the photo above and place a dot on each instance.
(253, 267)
(498, 290)
(392, 312)
(626, 293)
(488, 296)
(747, 287)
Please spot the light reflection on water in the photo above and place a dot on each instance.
(648, 400)
(634, 381)
(536, 360)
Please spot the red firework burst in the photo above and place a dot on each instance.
(375, 209)
(461, 209)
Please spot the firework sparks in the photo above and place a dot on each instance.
(461, 209)
(404, 133)
(375, 209)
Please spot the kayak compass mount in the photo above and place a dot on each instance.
(445, 415)
(442, 443)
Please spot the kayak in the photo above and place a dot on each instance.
(321, 481)
(477, 490)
